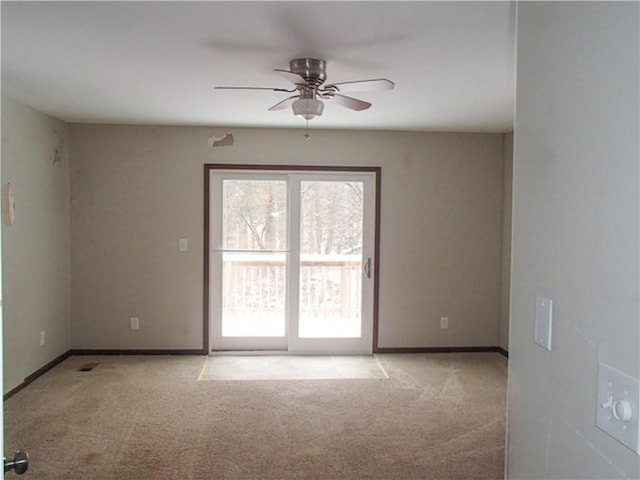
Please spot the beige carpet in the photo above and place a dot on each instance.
(439, 416)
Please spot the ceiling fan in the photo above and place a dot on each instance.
(308, 75)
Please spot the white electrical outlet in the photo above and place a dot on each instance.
(134, 323)
(444, 322)
(617, 409)
(43, 337)
(183, 245)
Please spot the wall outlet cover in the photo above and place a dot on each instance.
(134, 323)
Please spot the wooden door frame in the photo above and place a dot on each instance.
(208, 167)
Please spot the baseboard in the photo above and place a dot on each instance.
(38, 373)
(499, 350)
(90, 351)
(503, 352)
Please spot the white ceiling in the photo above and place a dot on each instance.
(158, 62)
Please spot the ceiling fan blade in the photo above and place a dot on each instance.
(363, 85)
(291, 76)
(284, 103)
(255, 88)
(352, 103)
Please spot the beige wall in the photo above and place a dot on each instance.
(503, 330)
(575, 233)
(35, 250)
(137, 190)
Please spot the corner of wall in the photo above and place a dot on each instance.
(35, 249)
(503, 327)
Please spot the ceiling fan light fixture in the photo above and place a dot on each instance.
(307, 108)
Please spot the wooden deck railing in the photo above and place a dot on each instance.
(330, 285)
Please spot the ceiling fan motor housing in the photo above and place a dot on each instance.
(312, 70)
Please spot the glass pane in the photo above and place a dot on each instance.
(253, 283)
(253, 294)
(331, 259)
(254, 215)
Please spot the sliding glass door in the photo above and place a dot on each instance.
(291, 261)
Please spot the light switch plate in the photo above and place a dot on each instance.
(544, 321)
(183, 245)
(617, 407)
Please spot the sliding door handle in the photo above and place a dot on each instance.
(366, 268)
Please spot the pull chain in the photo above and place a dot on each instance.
(306, 133)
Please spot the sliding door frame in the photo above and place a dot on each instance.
(209, 167)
